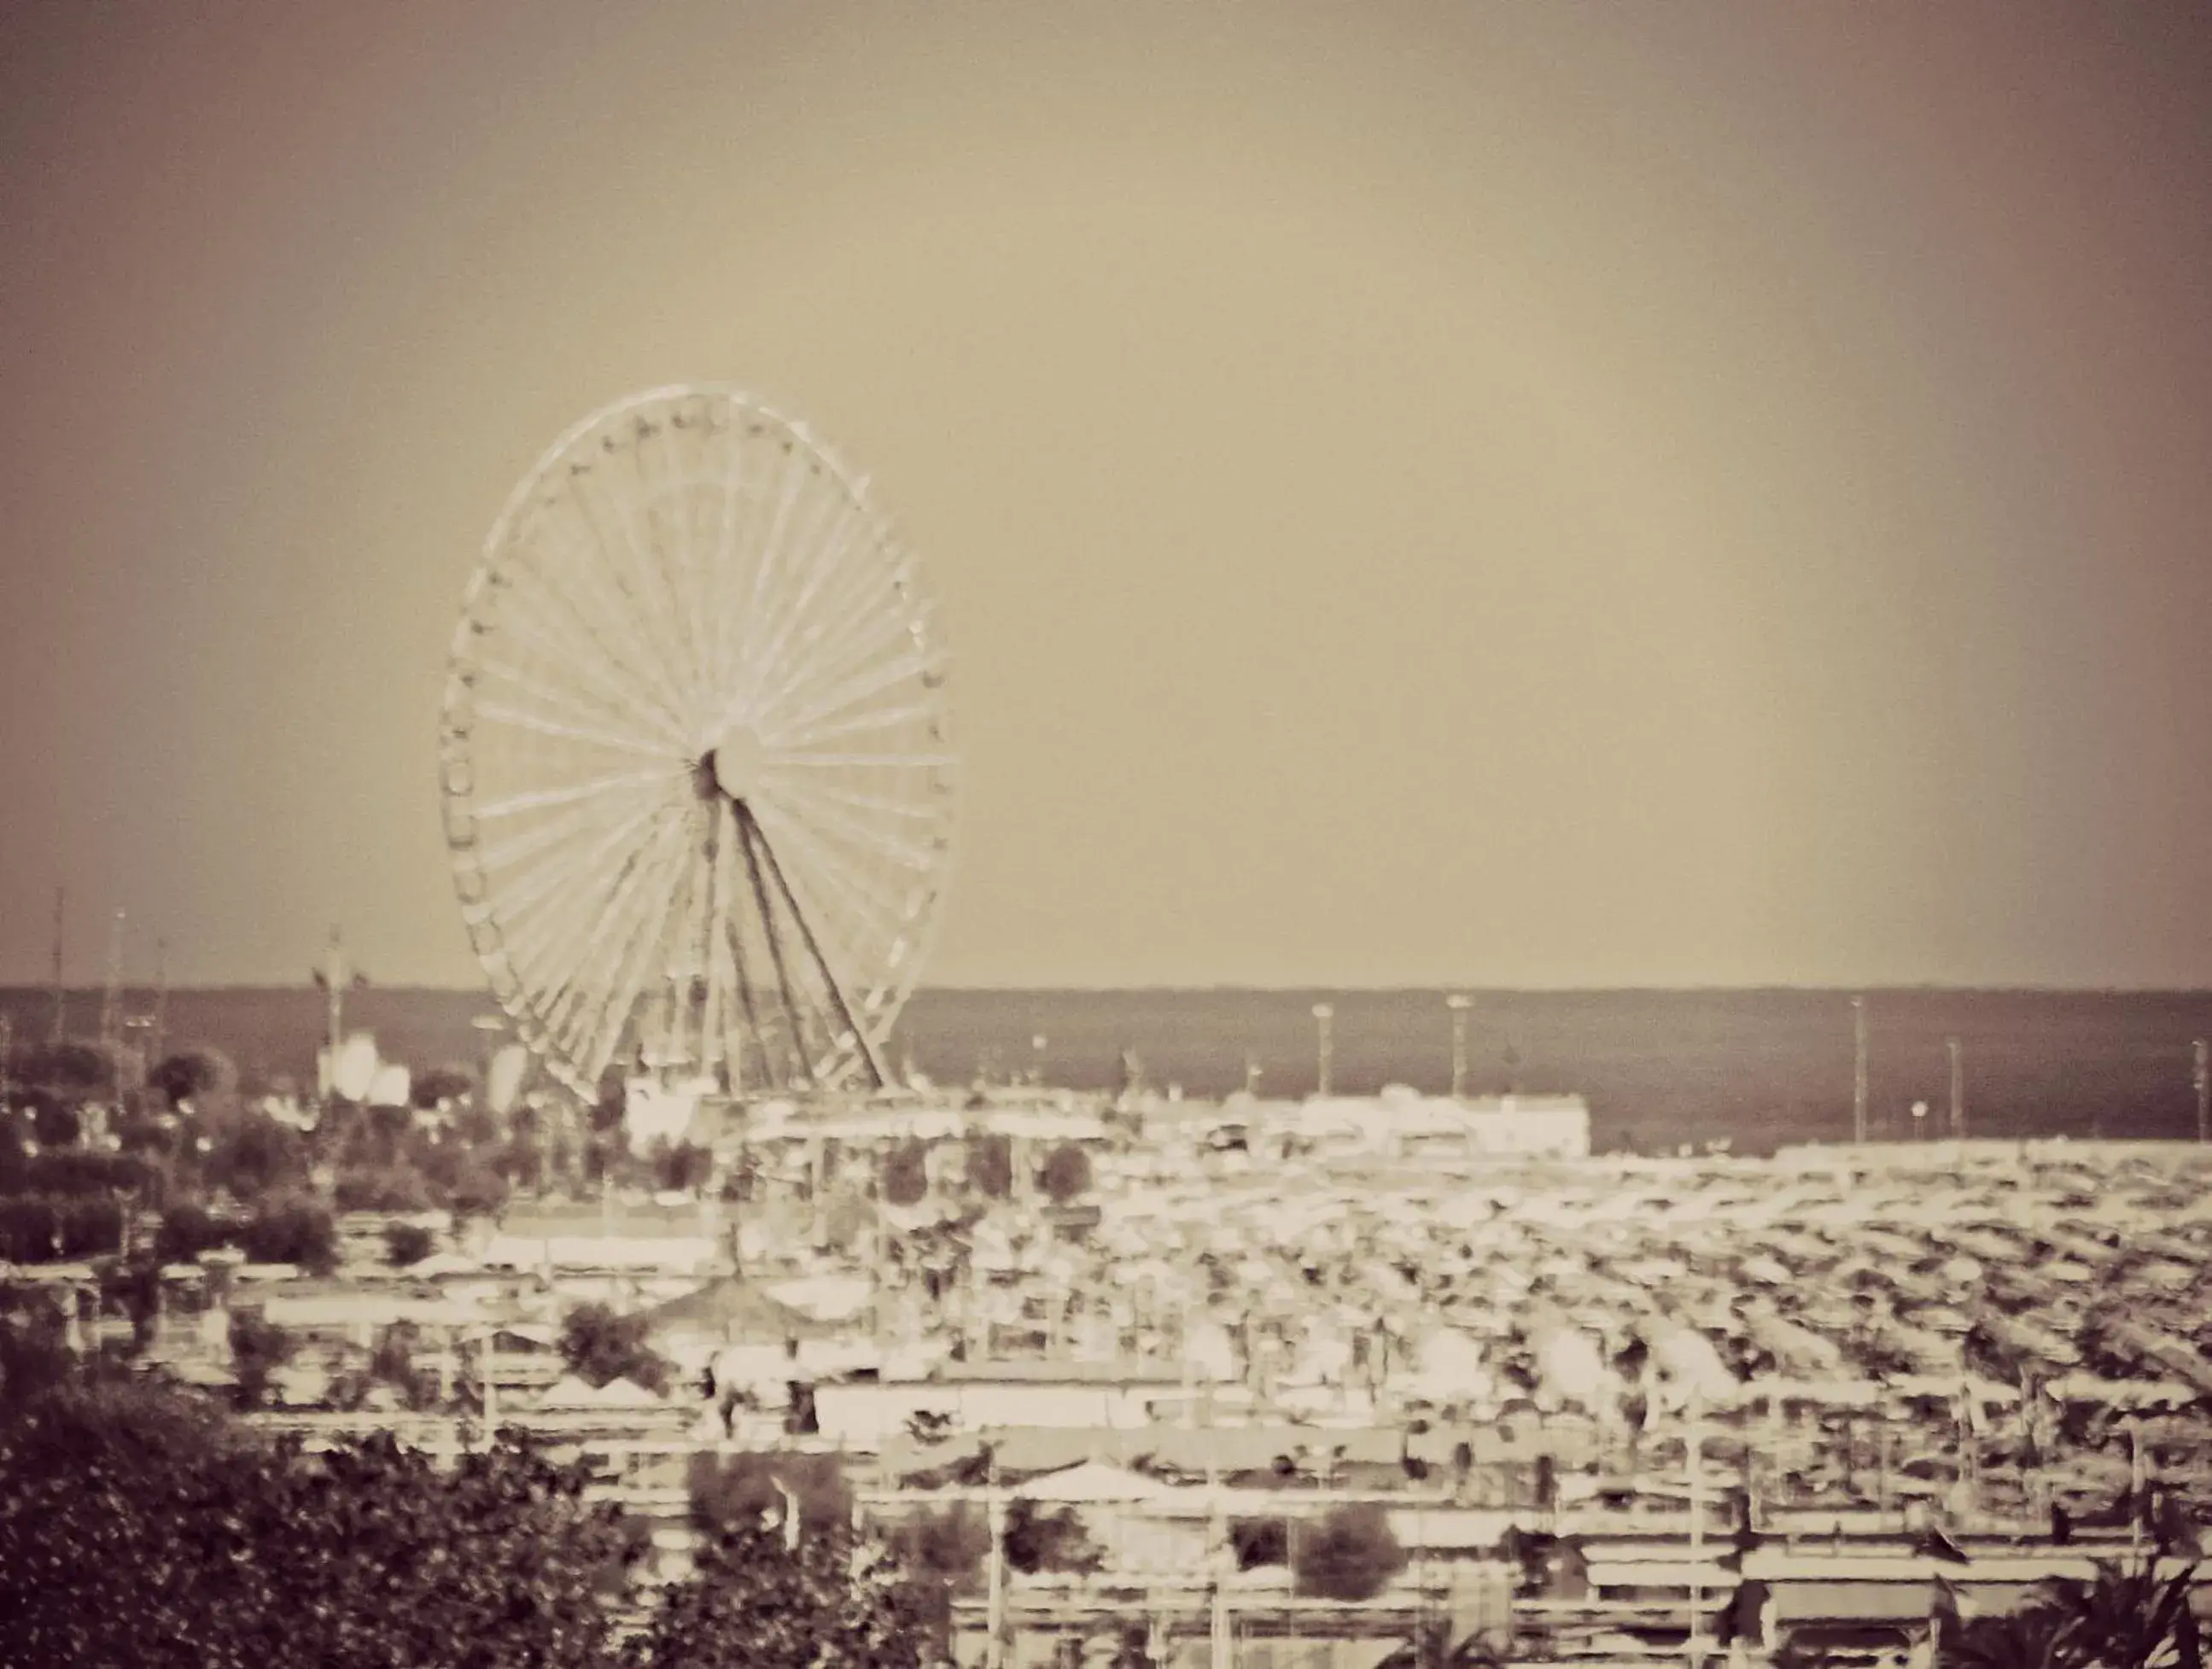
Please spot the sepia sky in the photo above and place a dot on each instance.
(1521, 494)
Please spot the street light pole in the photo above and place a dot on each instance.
(1322, 1014)
(1858, 1070)
(1957, 1091)
(1459, 1003)
(2204, 1077)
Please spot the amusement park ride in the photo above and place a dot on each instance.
(699, 789)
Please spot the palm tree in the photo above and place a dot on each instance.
(2033, 1637)
(2123, 1618)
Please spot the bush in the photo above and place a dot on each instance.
(1349, 1555)
(192, 1073)
(384, 1188)
(406, 1243)
(991, 1165)
(188, 1230)
(47, 1229)
(257, 1155)
(733, 1492)
(1038, 1540)
(1066, 1174)
(81, 1174)
(906, 1173)
(683, 1168)
(599, 1346)
(298, 1230)
(1260, 1542)
(445, 1083)
(258, 1347)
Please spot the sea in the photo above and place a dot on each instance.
(1755, 1069)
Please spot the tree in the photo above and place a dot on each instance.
(298, 1229)
(383, 1188)
(599, 1346)
(736, 1492)
(835, 1601)
(991, 1165)
(443, 1083)
(406, 1243)
(137, 1528)
(190, 1073)
(905, 1173)
(1066, 1174)
(258, 1347)
(1039, 1540)
(1352, 1554)
(187, 1229)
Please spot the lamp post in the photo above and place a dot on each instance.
(2204, 1080)
(1858, 1070)
(1459, 1004)
(1958, 1090)
(1322, 1014)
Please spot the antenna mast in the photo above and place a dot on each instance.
(111, 995)
(161, 1002)
(61, 998)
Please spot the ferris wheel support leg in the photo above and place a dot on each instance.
(867, 1044)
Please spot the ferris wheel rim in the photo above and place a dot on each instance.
(888, 981)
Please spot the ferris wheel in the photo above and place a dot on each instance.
(699, 791)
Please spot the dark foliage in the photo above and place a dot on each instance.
(906, 1173)
(1066, 1174)
(1259, 1542)
(1352, 1554)
(599, 1346)
(1039, 1540)
(383, 1188)
(298, 1229)
(406, 1243)
(188, 1230)
(44, 1228)
(735, 1492)
(258, 1347)
(443, 1083)
(834, 1602)
(193, 1072)
(991, 1165)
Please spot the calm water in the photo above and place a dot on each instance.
(1759, 1067)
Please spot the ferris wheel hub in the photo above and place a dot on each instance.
(733, 767)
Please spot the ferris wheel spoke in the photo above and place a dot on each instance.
(757, 875)
(810, 930)
(723, 829)
(766, 655)
(865, 760)
(538, 799)
(499, 712)
(832, 608)
(664, 545)
(592, 966)
(625, 608)
(827, 817)
(792, 480)
(865, 908)
(872, 678)
(590, 655)
(542, 835)
(557, 880)
(569, 557)
(883, 719)
(582, 708)
(861, 632)
(874, 805)
(618, 1010)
